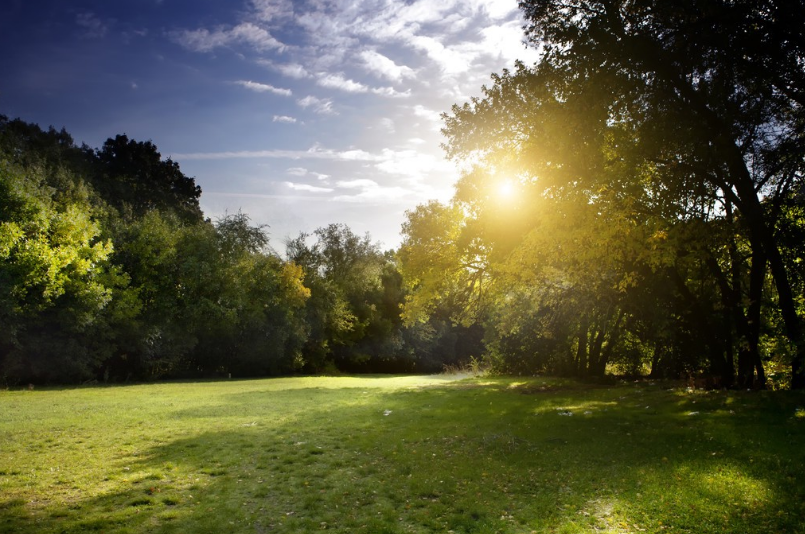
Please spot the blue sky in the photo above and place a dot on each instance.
(298, 113)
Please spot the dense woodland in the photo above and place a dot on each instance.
(109, 271)
(631, 203)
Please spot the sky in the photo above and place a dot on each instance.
(297, 113)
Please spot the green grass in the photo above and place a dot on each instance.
(477, 455)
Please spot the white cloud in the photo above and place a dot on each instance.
(413, 165)
(270, 10)
(360, 183)
(391, 92)
(369, 190)
(388, 124)
(314, 152)
(292, 70)
(357, 155)
(255, 36)
(498, 38)
(496, 9)
(385, 67)
(401, 18)
(360, 58)
(204, 40)
(323, 106)
(263, 88)
(449, 59)
(297, 171)
(308, 188)
(301, 171)
(337, 81)
(432, 117)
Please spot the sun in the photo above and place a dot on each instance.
(505, 189)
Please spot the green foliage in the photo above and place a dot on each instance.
(132, 175)
(175, 296)
(356, 293)
(621, 195)
(57, 282)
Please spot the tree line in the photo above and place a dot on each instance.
(633, 202)
(110, 272)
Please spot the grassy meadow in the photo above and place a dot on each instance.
(401, 454)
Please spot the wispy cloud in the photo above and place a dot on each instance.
(315, 152)
(369, 76)
(323, 106)
(308, 188)
(297, 171)
(384, 67)
(363, 190)
(391, 92)
(357, 184)
(450, 59)
(271, 10)
(248, 33)
(337, 81)
(263, 88)
(301, 172)
(292, 70)
(433, 118)
(388, 124)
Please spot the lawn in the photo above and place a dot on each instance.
(401, 454)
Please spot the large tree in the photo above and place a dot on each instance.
(653, 150)
(131, 175)
(714, 91)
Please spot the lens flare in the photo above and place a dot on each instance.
(505, 189)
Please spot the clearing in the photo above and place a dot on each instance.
(401, 454)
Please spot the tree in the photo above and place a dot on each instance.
(720, 82)
(651, 145)
(57, 288)
(353, 314)
(133, 175)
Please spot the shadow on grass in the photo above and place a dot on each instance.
(485, 458)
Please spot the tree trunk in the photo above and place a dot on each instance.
(757, 277)
(605, 355)
(656, 60)
(595, 367)
(656, 358)
(764, 235)
(581, 350)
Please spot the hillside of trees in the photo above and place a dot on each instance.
(632, 203)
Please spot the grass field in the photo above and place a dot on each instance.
(401, 454)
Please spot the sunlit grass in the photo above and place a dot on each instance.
(400, 454)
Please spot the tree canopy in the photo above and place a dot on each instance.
(654, 150)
